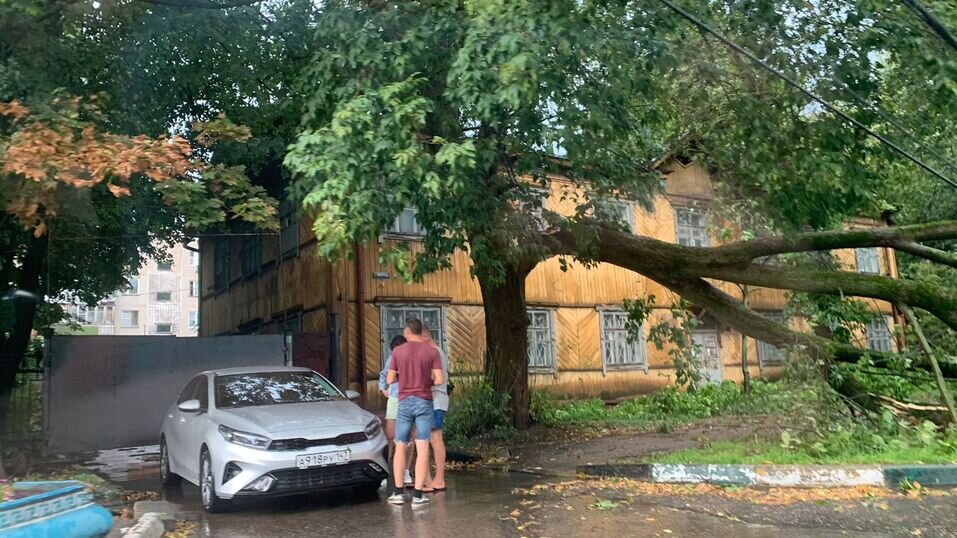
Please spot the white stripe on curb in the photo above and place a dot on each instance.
(769, 475)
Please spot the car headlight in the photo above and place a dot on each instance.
(373, 428)
(244, 438)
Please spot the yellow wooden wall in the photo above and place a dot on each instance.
(319, 289)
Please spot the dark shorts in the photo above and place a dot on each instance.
(438, 419)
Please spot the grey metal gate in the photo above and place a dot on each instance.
(112, 391)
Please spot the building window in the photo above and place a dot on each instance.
(97, 315)
(692, 227)
(164, 328)
(164, 296)
(620, 212)
(289, 224)
(867, 260)
(132, 286)
(221, 264)
(878, 336)
(193, 289)
(164, 266)
(193, 258)
(393, 322)
(129, 318)
(291, 323)
(618, 348)
(769, 355)
(406, 224)
(541, 341)
(250, 255)
(193, 320)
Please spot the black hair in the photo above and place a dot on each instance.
(396, 341)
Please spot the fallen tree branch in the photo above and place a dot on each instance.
(939, 301)
(945, 395)
(745, 251)
(928, 253)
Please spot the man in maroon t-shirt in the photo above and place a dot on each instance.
(416, 366)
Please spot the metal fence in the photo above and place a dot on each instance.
(24, 422)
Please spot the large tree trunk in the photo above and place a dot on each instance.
(506, 335)
(18, 340)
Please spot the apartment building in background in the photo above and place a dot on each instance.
(162, 299)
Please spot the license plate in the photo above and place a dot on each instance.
(322, 459)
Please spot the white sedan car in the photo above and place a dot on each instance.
(269, 431)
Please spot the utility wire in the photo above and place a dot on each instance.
(794, 84)
(928, 18)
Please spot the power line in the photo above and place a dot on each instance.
(931, 21)
(794, 84)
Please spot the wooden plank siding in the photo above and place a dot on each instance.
(305, 285)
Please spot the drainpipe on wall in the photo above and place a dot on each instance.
(360, 315)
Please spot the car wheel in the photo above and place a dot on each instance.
(167, 477)
(207, 485)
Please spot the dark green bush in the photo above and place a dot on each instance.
(478, 411)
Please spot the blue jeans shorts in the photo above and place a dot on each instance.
(413, 411)
(438, 419)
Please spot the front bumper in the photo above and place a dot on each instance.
(368, 465)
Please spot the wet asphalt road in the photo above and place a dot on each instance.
(476, 505)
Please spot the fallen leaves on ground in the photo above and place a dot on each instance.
(769, 496)
(184, 529)
(130, 496)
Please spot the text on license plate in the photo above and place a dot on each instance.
(337, 457)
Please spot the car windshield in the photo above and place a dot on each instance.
(269, 388)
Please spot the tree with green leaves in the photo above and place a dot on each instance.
(463, 110)
(126, 127)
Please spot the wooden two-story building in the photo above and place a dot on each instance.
(578, 345)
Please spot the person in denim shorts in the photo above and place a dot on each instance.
(391, 392)
(416, 366)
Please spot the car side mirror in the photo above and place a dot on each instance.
(189, 406)
(352, 395)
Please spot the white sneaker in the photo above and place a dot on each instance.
(408, 478)
(396, 498)
(421, 502)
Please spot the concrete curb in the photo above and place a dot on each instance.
(153, 519)
(795, 476)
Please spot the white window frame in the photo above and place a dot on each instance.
(158, 325)
(384, 327)
(193, 258)
(626, 208)
(690, 231)
(769, 355)
(551, 356)
(396, 232)
(638, 350)
(884, 341)
(160, 266)
(867, 260)
(133, 286)
(192, 319)
(193, 288)
(158, 300)
(129, 319)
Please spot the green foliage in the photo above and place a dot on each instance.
(419, 104)
(675, 334)
(670, 405)
(848, 444)
(478, 411)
